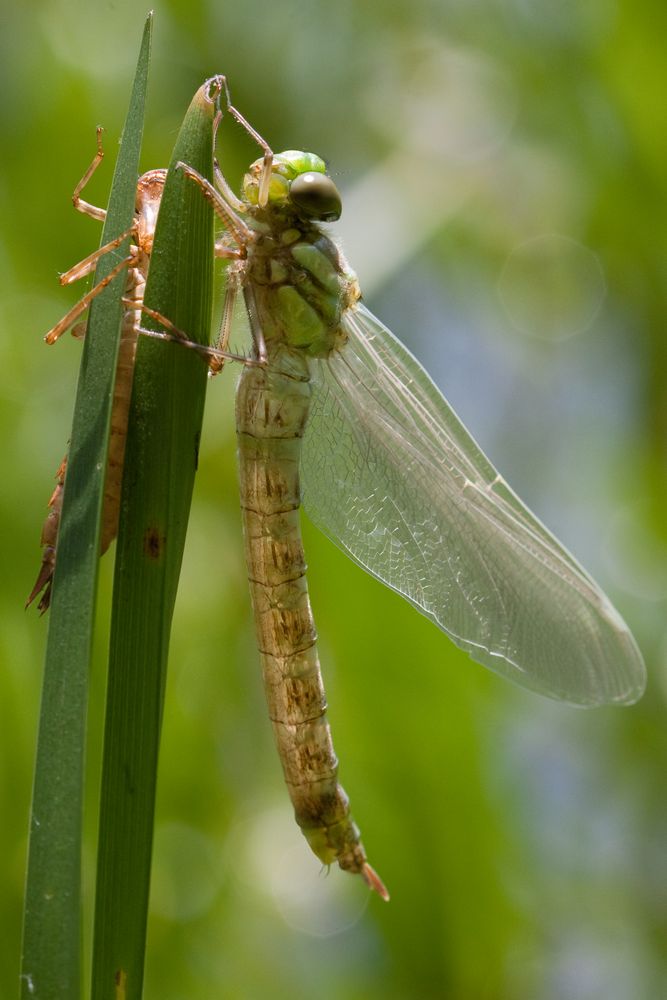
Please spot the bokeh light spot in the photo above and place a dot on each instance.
(551, 287)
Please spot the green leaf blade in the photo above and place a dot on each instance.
(51, 961)
(160, 463)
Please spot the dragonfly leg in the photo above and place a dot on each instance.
(87, 265)
(70, 318)
(262, 143)
(217, 361)
(240, 233)
(220, 180)
(212, 354)
(255, 325)
(78, 202)
(174, 332)
(216, 356)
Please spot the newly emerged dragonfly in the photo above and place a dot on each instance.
(334, 412)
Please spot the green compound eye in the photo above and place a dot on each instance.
(316, 196)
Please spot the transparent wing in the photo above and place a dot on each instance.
(390, 473)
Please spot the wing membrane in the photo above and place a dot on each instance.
(390, 473)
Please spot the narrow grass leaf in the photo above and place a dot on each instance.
(160, 462)
(51, 961)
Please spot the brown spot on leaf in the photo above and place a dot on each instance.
(154, 543)
(120, 982)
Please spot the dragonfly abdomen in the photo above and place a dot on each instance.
(272, 409)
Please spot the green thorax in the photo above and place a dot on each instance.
(300, 280)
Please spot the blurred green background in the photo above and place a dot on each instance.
(503, 169)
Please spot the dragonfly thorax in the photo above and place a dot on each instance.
(301, 285)
(301, 282)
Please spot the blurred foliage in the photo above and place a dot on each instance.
(503, 172)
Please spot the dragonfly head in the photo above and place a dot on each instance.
(299, 184)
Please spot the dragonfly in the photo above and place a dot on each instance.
(334, 413)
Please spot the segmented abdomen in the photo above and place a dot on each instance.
(271, 412)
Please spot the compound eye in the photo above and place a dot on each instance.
(316, 196)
